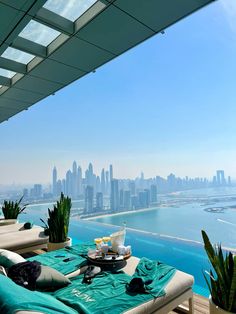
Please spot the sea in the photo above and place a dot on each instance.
(179, 215)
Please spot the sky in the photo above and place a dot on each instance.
(168, 105)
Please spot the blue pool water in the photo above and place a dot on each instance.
(186, 256)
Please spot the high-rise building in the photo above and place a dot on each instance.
(103, 183)
(63, 186)
(132, 187)
(79, 183)
(111, 172)
(54, 181)
(69, 183)
(114, 199)
(153, 193)
(90, 175)
(121, 202)
(144, 199)
(134, 202)
(171, 182)
(107, 182)
(89, 194)
(37, 191)
(220, 177)
(59, 187)
(74, 181)
(127, 200)
(99, 201)
(98, 184)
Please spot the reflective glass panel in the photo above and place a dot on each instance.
(39, 33)
(17, 55)
(70, 9)
(7, 73)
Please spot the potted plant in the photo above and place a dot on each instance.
(57, 225)
(11, 210)
(222, 282)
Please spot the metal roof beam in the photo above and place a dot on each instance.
(30, 47)
(12, 65)
(5, 81)
(55, 21)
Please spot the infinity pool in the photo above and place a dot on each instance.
(187, 256)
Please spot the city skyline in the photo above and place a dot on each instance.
(106, 173)
(118, 194)
(165, 106)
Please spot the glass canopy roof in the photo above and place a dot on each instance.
(69, 9)
(17, 55)
(39, 33)
(7, 73)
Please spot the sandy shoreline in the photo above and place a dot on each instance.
(121, 213)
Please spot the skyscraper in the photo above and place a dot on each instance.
(38, 191)
(88, 199)
(103, 183)
(144, 199)
(220, 177)
(114, 200)
(79, 178)
(107, 182)
(99, 201)
(127, 200)
(121, 202)
(74, 181)
(98, 184)
(69, 183)
(54, 181)
(153, 193)
(90, 175)
(132, 187)
(111, 172)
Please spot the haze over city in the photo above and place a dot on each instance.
(154, 109)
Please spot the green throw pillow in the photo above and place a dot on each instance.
(50, 279)
(8, 258)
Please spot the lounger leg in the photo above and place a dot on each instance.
(191, 307)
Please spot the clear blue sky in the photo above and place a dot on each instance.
(168, 105)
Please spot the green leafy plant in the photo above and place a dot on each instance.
(58, 221)
(222, 282)
(12, 209)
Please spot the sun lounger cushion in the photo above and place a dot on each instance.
(15, 298)
(18, 240)
(8, 258)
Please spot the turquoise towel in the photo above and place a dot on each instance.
(154, 275)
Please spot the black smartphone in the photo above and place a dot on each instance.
(69, 259)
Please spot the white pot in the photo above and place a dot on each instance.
(56, 246)
(5, 222)
(214, 309)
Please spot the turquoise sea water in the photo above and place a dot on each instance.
(183, 216)
(186, 216)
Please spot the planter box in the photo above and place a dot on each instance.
(60, 245)
(214, 309)
(5, 222)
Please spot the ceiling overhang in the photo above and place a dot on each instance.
(104, 31)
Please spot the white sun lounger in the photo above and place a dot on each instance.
(178, 290)
(17, 239)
